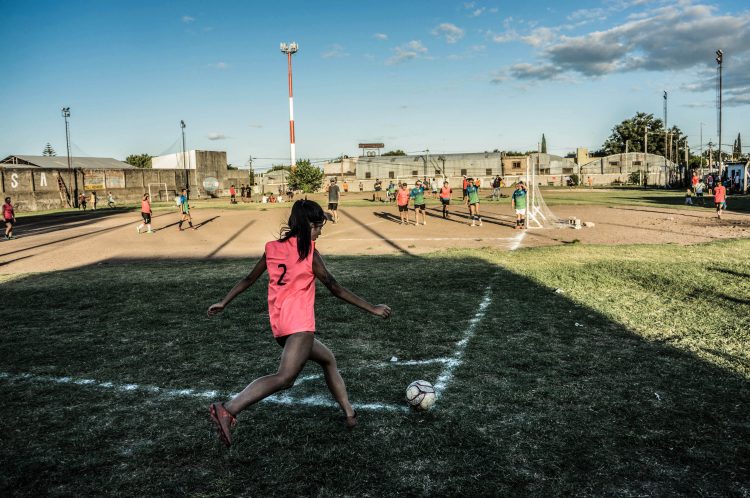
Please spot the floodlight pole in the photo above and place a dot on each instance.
(701, 149)
(184, 160)
(290, 49)
(719, 61)
(665, 139)
(71, 179)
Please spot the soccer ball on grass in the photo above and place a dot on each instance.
(420, 395)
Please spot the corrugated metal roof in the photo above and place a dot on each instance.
(57, 162)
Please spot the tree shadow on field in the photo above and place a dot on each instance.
(736, 203)
(550, 397)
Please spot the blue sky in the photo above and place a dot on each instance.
(450, 76)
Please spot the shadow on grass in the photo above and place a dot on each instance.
(550, 398)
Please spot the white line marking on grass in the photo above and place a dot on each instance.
(415, 362)
(279, 399)
(517, 241)
(446, 376)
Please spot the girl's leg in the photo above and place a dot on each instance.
(323, 356)
(296, 352)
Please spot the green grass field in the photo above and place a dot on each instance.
(633, 379)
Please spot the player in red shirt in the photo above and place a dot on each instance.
(292, 263)
(720, 198)
(9, 216)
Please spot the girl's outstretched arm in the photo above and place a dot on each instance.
(341, 292)
(239, 287)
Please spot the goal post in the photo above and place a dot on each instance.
(160, 189)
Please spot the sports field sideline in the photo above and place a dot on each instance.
(601, 361)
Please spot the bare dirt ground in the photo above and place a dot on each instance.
(49, 243)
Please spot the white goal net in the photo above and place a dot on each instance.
(159, 192)
(538, 215)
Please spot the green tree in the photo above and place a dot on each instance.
(544, 144)
(397, 152)
(232, 168)
(737, 151)
(48, 151)
(306, 177)
(139, 161)
(633, 132)
(279, 167)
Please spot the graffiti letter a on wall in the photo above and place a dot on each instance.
(14, 180)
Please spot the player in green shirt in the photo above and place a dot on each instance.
(417, 195)
(518, 202)
(472, 200)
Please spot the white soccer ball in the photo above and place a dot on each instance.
(420, 395)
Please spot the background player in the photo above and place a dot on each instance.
(472, 193)
(417, 194)
(292, 263)
(445, 197)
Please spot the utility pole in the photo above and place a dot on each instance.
(290, 49)
(719, 61)
(701, 149)
(74, 178)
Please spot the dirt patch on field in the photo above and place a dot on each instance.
(63, 242)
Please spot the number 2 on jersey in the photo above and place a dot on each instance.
(281, 278)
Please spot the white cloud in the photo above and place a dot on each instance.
(187, 19)
(216, 136)
(668, 37)
(219, 65)
(409, 51)
(478, 12)
(380, 36)
(334, 51)
(450, 32)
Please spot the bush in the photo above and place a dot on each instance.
(306, 177)
(574, 178)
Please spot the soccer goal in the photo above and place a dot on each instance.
(158, 192)
(538, 215)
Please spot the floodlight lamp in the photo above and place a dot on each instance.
(182, 124)
(719, 56)
(293, 47)
(284, 47)
(66, 112)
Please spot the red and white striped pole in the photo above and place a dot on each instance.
(289, 50)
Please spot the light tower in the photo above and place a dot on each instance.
(719, 61)
(290, 49)
(66, 115)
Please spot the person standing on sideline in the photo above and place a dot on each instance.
(346, 186)
(402, 200)
(710, 182)
(472, 190)
(145, 214)
(361, 186)
(185, 211)
(694, 181)
(293, 264)
(82, 201)
(699, 192)
(93, 199)
(232, 195)
(9, 216)
(333, 200)
(417, 194)
(434, 187)
(445, 197)
(463, 188)
(110, 200)
(518, 202)
(720, 198)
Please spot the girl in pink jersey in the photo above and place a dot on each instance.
(292, 263)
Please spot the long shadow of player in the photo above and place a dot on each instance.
(205, 222)
(465, 218)
(388, 216)
(376, 233)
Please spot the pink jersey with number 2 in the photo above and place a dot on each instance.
(291, 288)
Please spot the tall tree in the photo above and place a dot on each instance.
(48, 151)
(738, 146)
(397, 152)
(544, 144)
(634, 131)
(306, 177)
(139, 160)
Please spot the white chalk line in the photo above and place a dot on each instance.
(405, 363)
(411, 239)
(279, 399)
(446, 376)
(517, 241)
